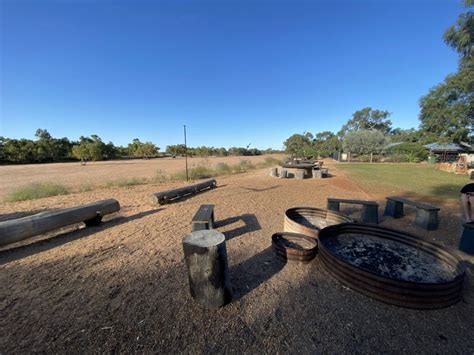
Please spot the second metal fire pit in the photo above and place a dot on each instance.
(392, 266)
(309, 220)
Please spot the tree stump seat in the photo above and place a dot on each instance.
(204, 218)
(370, 209)
(426, 215)
(467, 239)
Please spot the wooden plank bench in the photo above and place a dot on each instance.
(204, 218)
(426, 215)
(370, 209)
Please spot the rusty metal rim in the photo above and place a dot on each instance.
(390, 290)
(291, 215)
(292, 253)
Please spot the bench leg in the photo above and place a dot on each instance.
(200, 226)
(370, 214)
(333, 206)
(393, 209)
(426, 219)
(211, 221)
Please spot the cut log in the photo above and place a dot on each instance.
(22, 228)
(273, 172)
(164, 197)
(206, 259)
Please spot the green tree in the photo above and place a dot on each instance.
(364, 142)
(460, 36)
(327, 143)
(82, 152)
(299, 144)
(369, 119)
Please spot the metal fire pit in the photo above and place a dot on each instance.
(309, 221)
(392, 266)
(293, 246)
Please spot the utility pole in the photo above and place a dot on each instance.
(186, 153)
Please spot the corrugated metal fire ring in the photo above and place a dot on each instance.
(441, 288)
(294, 246)
(309, 220)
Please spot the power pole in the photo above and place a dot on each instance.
(186, 153)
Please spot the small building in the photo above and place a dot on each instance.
(447, 153)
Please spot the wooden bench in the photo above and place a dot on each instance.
(426, 215)
(370, 209)
(204, 218)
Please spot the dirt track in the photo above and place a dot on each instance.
(123, 286)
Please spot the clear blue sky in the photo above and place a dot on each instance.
(235, 72)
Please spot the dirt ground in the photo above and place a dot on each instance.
(122, 286)
(75, 175)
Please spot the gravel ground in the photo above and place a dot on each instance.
(123, 286)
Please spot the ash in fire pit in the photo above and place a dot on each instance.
(390, 259)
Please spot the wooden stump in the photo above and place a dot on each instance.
(206, 259)
(283, 174)
(317, 174)
(273, 172)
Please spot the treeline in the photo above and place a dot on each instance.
(446, 114)
(46, 149)
(179, 150)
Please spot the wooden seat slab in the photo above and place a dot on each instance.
(370, 209)
(204, 218)
(426, 215)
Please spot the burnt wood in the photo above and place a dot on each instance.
(164, 197)
(206, 260)
(204, 218)
(22, 228)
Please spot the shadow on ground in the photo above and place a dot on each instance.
(251, 225)
(254, 271)
(22, 251)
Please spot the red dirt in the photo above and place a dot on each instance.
(123, 287)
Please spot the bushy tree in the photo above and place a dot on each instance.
(460, 36)
(299, 144)
(409, 152)
(364, 142)
(144, 150)
(367, 119)
(326, 143)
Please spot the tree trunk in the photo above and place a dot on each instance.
(206, 260)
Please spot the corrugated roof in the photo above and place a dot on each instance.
(451, 147)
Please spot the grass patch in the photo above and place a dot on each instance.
(416, 178)
(37, 190)
(160, 176)
(269, 162)
(223, 169)
(195, 173)
(243, 166)
(124, 182)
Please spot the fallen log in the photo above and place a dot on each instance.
(164, 197)
(22, 228)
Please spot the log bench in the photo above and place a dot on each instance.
(204, 218)
(426, 215)
(370, 209)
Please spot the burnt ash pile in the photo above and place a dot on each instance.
(390, 259)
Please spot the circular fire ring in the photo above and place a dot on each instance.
(392, 266)
(293, 246)
(309, 221)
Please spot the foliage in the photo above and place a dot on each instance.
(409, 152)
(143, 150)
(243, 166)
(448, 109)
(299, 144)
(160, 176)
(460, 36)
(367, 119)
(327, 143)
(364, 142)
(37, 190)
(223, 169)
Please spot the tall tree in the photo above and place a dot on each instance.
(367, 118)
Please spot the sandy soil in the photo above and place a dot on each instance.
(123, 286)
(75, 175)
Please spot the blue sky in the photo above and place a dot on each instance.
(235, 72)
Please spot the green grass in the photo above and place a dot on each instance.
(37, 190)
(420, 179)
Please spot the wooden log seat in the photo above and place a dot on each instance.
(204, 218)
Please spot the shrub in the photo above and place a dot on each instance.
(123, 182)
(269, 161)
(243, 166)
(160, 176)
(412, 152)
(223, 169)
(195, 173)
(37, 190)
